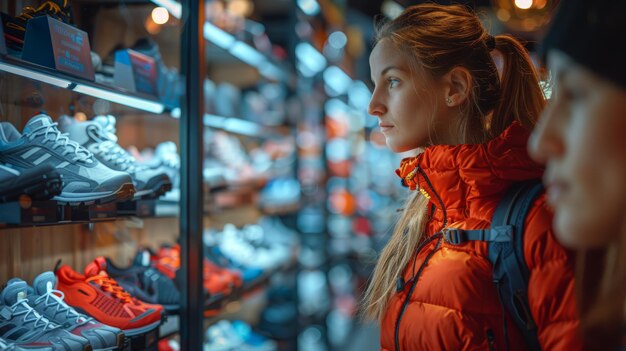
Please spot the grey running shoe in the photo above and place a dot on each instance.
(166, 159)
(49, 303)
(97, 137)
(39, 183)
(22, 325)
(85, 179)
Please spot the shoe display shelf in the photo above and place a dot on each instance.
(35, 233)
(50, 212)
(43, 74)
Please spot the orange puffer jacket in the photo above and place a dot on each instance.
(449, 301)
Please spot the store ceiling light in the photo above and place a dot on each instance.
(160, 15)
(122, 99)
(309, 7)
(172, 6)
(42, 77)
(227, 41)
(524, 4)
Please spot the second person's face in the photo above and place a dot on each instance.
(581, 137)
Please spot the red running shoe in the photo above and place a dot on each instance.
(99, 296)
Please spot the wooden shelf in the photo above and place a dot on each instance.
(45, 213)
(33, 71)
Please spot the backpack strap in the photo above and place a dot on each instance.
(506, 253)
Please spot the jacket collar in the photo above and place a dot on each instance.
(467, 177)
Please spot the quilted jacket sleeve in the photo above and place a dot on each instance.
(551, 286)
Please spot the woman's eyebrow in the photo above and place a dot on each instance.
(385, 70)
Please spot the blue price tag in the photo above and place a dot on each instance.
(59, 46)
(135, 71)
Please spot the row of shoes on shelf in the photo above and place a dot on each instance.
(92, 167)
(99, 308)
(81, 162)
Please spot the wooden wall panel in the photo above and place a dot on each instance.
(26, 252)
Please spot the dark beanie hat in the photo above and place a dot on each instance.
(592, 33)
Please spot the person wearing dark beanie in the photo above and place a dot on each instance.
(581, 137)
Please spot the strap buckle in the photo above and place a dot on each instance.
(502, 233)
(454, 236)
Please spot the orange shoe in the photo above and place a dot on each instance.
(234, 277)
(102, 298)
(167, 260)
(98, 268)
(216, 279)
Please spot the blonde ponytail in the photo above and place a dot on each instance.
(396, 255)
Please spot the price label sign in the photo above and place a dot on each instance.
(54, 44)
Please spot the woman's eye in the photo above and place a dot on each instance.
(572, 93)
(393, 82)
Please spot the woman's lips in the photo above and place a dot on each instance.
(385, 127)
(555, 190)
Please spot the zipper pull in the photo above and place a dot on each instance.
(491, 339)
(400, 284)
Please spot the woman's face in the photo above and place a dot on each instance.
(581, 136)
(402, 102)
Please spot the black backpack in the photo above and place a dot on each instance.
(506, 253)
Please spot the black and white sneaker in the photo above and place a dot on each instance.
(85, 180)
(98, 136)
(39, 183)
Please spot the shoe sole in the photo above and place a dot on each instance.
(170, 309)
(42, 187)
(119, 344)
(142, 330)
(125, 192)
(160, 188)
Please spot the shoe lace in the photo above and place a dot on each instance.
(27, 13)
(61, 139)
(56, 298)
(31, 316)
(53, 9)
(171, 160)
(50, 7)
(112, 152)
(111, 286)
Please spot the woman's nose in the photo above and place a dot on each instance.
(546, 140)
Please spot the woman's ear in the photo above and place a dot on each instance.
(457, 83)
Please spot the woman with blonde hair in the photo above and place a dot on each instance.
(437, 88)
(581, 138)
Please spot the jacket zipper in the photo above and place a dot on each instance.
(491, 340)
(432, 188)
(414, 284)
(423, 265)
